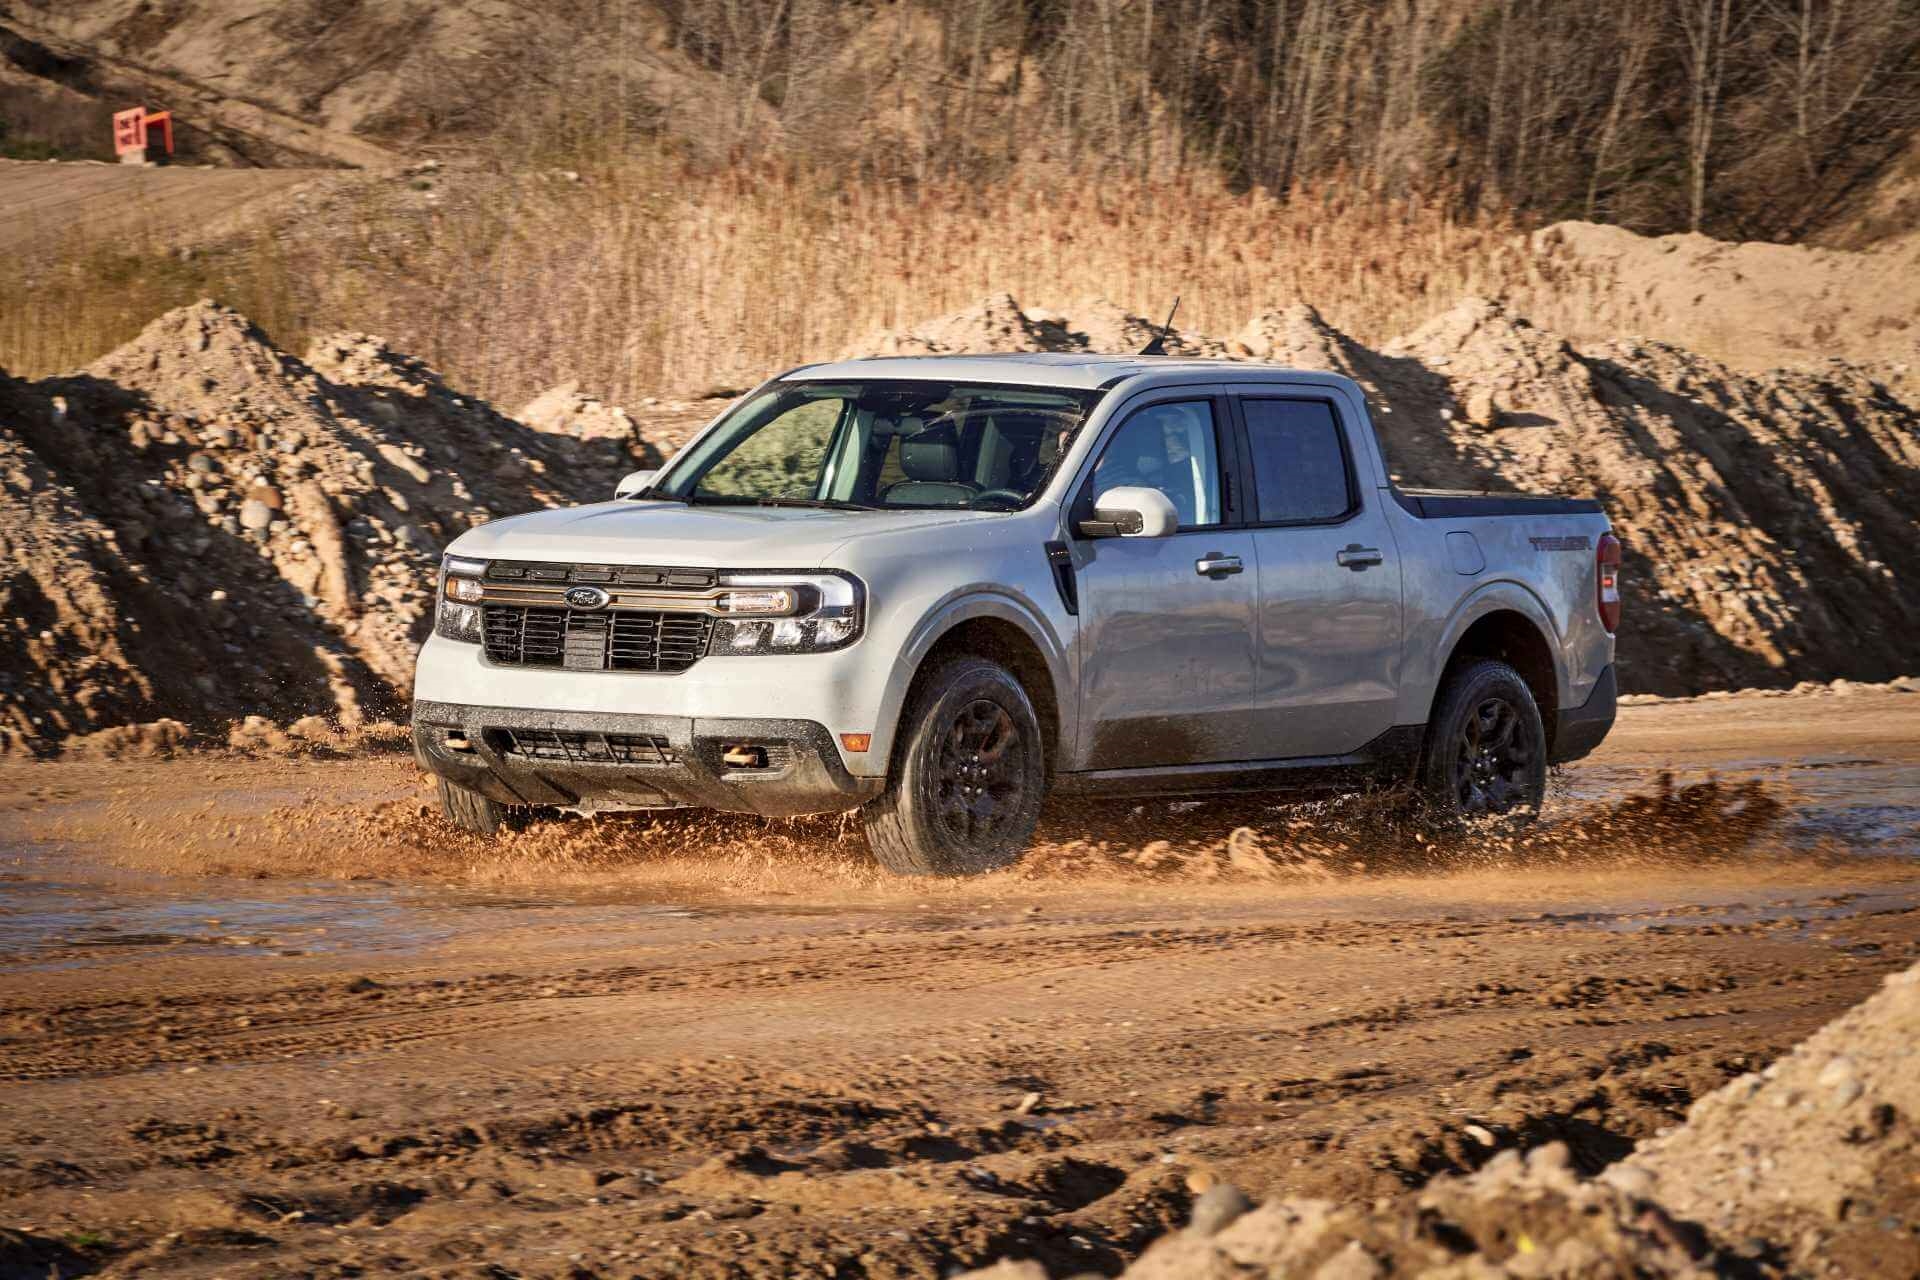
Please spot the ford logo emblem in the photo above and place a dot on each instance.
(586, 598)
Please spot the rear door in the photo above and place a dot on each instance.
(1327, 676)
(1167, 653)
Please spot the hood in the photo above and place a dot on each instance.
(670, 533)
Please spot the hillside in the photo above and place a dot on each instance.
(1631, 115)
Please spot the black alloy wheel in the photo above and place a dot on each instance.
(981, 783)
(967, 776)
(1492, 760)
(1485, 759)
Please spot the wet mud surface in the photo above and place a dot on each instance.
(265, 1018)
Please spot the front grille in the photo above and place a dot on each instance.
(582, 748)
(595, 640)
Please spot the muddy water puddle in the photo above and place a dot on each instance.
(1867, 804)
(56, 906)
(63, 901)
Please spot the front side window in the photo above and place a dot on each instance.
(1172, 448)
(1300, 473)
(882, 445)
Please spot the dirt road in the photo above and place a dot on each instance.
(707, 1048)
(86, 204)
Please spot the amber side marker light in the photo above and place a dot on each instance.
(856, 741)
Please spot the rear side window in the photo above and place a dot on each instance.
(1300, 472)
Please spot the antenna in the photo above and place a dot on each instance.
(1158, 347)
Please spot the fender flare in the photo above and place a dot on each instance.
(968, 604)
(1504, 595)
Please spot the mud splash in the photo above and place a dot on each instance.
(1670, 823)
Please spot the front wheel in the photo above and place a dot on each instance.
(1486, 751)
(968, 776)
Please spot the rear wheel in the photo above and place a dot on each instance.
(1486, 751)
(469, 810)
(968, 775)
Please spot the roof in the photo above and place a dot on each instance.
(1041, 369)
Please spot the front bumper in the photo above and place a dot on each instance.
(593, 759)
(843, 690)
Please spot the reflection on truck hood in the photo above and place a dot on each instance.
(669, 533)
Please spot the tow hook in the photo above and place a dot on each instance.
(744, 756)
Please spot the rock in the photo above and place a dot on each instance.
(566, 410)
(1480, 408)
(1007, 1269)
(1354, 1262)
(1217, 1207)
(255, 515)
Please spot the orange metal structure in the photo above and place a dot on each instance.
(135, 130)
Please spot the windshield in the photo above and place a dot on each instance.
(882, 445)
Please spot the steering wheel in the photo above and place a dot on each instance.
(1012, 496)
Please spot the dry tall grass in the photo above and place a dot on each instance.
(651, 275)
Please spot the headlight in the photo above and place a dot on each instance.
(788, 613)
(455, 619)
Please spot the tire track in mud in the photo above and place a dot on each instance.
(889, 1133)
(240, 1025)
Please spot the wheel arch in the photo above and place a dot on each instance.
(1003, 630)
(1511, 627)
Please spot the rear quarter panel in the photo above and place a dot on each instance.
(1539, 566)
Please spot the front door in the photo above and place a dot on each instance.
(1330, 607)
(1167, 635)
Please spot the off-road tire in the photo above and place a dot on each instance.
(967, 778)
(1485, 757)
(471, 811)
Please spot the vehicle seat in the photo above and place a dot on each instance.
(931, 459)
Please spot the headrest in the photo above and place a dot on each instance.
(933, 454)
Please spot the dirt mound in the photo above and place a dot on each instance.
(1810, 1163)
(1519, 1216)
(1756, 306)
(1762, 513)
(1819, 1152)
(998, 323)
(200, 526)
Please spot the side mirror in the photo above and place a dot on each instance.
(633, 482)
(1131, 511)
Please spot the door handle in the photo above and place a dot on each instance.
(1356, 557)
(1217, 566)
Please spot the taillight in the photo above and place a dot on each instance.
(1607, 562)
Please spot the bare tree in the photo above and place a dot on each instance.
(1635, 34)
(1709, 28)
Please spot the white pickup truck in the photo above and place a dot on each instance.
(937, 589)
